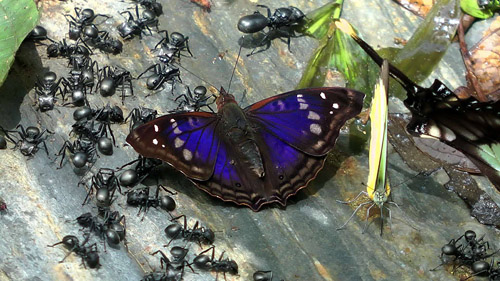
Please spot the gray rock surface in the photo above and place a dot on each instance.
(299, 242)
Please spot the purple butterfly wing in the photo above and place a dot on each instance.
(291, 151)
(187, 141)
(287, 171)
(307, 119)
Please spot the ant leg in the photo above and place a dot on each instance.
(267, 8)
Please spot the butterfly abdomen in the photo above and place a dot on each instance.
(240, 135)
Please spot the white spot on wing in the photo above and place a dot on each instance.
(301, 100)
(163, 146)
(172, 120)
(303, 106)
(331, 112)
(299, 95)
(315, 128)
(187, 154)
(177, 130)
(313, 115)
(335, 105)
(155, 141)
(322, 95)
(178, 142)
(156, 128)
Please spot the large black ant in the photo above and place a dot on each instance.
(46, 90)
(465, 252)
(29, 139)
(83, 151)
(174, 268)
(39, 33)
(194, 102)
(139, 116)
(211, 264)
(107, 226)
(198, 234)
(152, 5)
(140, 198)
(283, 20)
(111, 78)
(101, 40)
(132, 26)
(105, 184)
(63, 49)
(161, 75)
(80, 80)
(141, 171)
(83, 18)
(171, 47)
(88, 254)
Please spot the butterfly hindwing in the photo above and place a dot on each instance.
(187, 141)
(287, 171)
(307, 119)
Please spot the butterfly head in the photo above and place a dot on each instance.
(224, 98)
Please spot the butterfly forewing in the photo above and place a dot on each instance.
(307, 119)
(187, 141)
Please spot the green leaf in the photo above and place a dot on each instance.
(427, 45)
(472, 8)
(318, 21)
(491, 154)
(18, 18)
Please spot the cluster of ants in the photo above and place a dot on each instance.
(93, 133)
(470, 251)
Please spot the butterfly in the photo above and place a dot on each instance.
(262, 154)
(467, 125)
(378, 188)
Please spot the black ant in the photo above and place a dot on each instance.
(108, 225)
(263, 276)
(194, 102)
(132, 26)
(62, 49)
(140, 198)
(283, 20)
(46, 89)
(482, 268)
(39, 33)
(111, 78)
(88, 254)
(211, 264)
(171, 47)
(174, 268)
(198, 234)
(161, 75)
(105, 184)
(29, 140)
(152, 5)
(101, 40)
(80, 80)
(141, 171)
(139, 116)
(83, 18)
(83, 151)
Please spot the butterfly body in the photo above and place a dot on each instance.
(264, 153)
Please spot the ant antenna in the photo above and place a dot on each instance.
(234, 69)
(192, 73)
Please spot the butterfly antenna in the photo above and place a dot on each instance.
(192, 73)
(234, 69)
